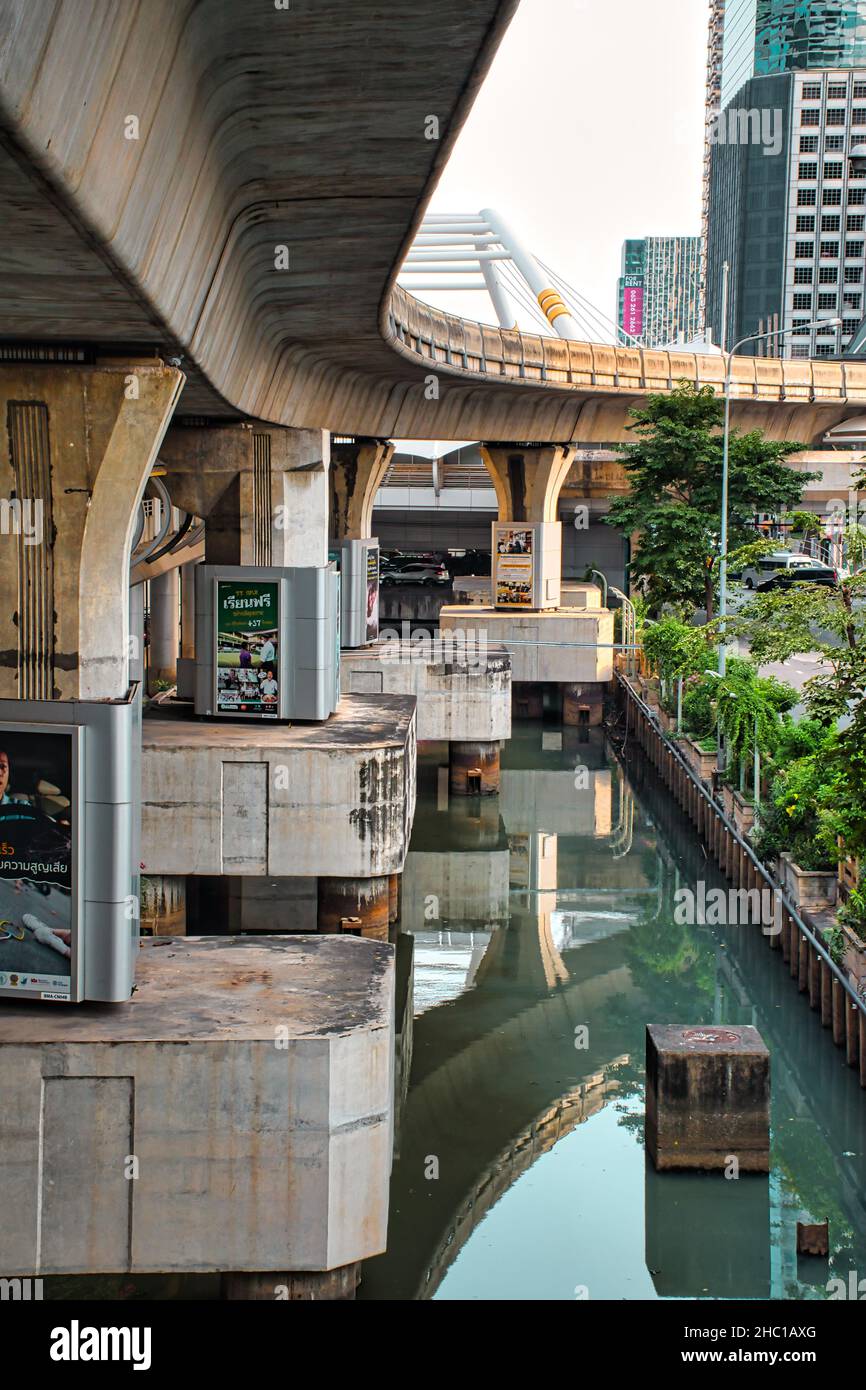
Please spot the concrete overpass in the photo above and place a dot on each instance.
(162, 162)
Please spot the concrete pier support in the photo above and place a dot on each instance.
(473, 769)
(394, 883)
(708, 1097)
(582, 703)
(527, 701)
(358, 467)
(262, 490)
(164, 628)
(187, 611)
(78, 445)
(355, 906)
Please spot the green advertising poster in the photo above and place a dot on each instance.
(247, 634)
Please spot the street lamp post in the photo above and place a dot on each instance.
(726, 441)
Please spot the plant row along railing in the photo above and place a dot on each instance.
(808, 960)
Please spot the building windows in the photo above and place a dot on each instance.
(802, 275)
(829, 249)
(828, 275)
(837, 91)
(853, 275)
(854, 249)
(858, 115)
(832, 168)
(830, 222)
(834, 142)
(810, 115)
(857, 197)
(808, 197)
(832, 198)
(800, 350)
(836, 115)
(808, 169)
(859, 91)
(824, 350)
(801, 327)
(811, 91)
(852, 301)
(827, 301)
(855, 222)
(802, 301)
(849, 326)
(806, 223)
(809, 144)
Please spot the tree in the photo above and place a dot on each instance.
(675, 492)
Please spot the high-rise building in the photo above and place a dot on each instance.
(787, 203)
(714, 99)
(658, 292)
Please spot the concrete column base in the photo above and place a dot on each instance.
(582, 703)
(394, 881)
(527, 701)
(332, 1284)
(163, 905)
(473, 769)
(707, 1097)
(359, 906)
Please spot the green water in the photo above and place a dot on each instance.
(520, 1171)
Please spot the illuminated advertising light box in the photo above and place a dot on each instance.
(266, 642)
(359, 590)
(68, 847)
(526, 564)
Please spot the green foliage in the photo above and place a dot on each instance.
(800, 819)
(852, 913)
(676, 648)
(674, 502)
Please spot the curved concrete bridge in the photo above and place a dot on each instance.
(235, 186)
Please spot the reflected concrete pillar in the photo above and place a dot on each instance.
(473, 769)
(360, 906)
(335, 1285)
(582, 704)
(164, 627)
(262, 490)
(358, 467)
(78, 446)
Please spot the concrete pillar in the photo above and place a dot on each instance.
(582, 703)
(527, 701)
(163, 904)
(708, 1097)
(164, 627)
(262, 490)
(473, 769)
(358, 467)
(528, 479)
(393, 897)
(187, 610)
(78, 445)
(359, 906)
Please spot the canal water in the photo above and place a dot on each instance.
(544, 940)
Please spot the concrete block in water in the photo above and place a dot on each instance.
(708, 1097)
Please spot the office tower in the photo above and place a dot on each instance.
(658, 292)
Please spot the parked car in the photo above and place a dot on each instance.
(754, 576)
(416, 572)
(816, 572)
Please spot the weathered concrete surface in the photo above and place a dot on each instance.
(80, 443)
(559, 801)
(707, 1097)
(251, 1079)
(281, 800)
(532, 638)
(460, 887)
(457, 699)
(168, 234)
(358, 467)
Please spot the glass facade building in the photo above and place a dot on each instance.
(658, 292)
(764, 37)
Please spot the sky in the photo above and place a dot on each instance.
(589, 128)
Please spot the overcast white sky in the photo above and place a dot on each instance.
(589, 129)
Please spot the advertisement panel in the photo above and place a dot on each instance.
(514, 561)
(247, 638)
(39, 812)
(632, 306)
(372, 593)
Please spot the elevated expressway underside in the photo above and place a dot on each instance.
(257, 128)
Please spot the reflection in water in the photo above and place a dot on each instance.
(545, 942)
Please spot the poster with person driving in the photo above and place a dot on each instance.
(37, 868)
(247, 623)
